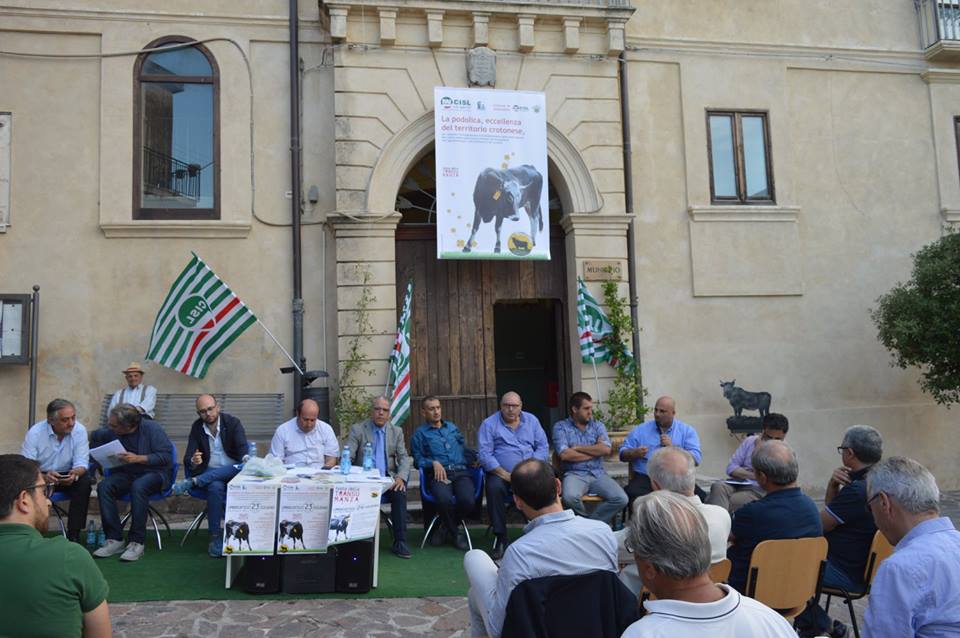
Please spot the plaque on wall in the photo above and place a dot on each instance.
(481, 67)
(609, 270)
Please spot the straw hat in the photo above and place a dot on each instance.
(133, 367)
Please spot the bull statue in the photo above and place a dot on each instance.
(741, 399)
(500, 194)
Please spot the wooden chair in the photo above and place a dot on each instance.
(880, 549)
(719, 572)
(785, 574)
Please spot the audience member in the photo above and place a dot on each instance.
(741, 488)
(305, 439)
(136, 393)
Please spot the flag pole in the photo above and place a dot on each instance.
(596, 379)
(284, 350)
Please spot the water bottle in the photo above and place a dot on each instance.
(91, 535)
(345, 460)
(367, 456)
(101, 537)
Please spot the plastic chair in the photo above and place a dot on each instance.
(880, 549)
(785, 574)
(154, 513)
(427, 497)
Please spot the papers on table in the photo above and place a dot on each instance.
(107, 455)
(731, 481)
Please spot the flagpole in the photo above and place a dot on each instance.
(284, 350)
(596, 378)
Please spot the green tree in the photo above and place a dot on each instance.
(352, 403)
(624, 406)
(919, 321)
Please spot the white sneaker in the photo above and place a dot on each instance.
(134, 552)
(111, 548)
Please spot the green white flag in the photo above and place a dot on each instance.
(593, 326)
(198, 320)
(400, 364)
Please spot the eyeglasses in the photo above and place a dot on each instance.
(209, 410)
(870, 500)
(515, 406)
(48, 488)
(841, 448)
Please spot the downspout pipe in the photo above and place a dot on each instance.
(296, 181)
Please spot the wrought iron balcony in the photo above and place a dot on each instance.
(940, 29)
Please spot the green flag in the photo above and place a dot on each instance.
(400, 364)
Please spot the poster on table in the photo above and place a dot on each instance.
(354, 512)
(250, 521)
(491, 171)
(303, 517)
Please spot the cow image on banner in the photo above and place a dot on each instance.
(491, 150)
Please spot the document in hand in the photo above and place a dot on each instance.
(107, 455)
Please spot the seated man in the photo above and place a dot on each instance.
(59, 445)
(670, 545)
(216, 446)
(505, 438)
(785, 511)
(672, 469)
(50, 587)
(391, 459)
(916, 591)
(582, 443)
(146, 471)
(847, 525)
(733, 496)
(438, 448)
(305, 439)
(136, 393)
(555, 543)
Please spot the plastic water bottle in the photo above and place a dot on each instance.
(101, 537)
(345, 460)
(252, 448)
(367, 456)
(91, 535)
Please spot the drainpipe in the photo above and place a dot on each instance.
(295, 204)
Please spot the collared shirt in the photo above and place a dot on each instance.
(741, 457)
(443, 444)
(849, 542)
(916, 591)
(648, 434)
(567, 434)
(555, 544)
(143, 396)
(42, 445)
(218, 456)
(502, 446)
(293, 446)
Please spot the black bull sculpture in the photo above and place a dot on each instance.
(500, 194)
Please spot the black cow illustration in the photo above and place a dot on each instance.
(292, 530)
(740, 399)
(237, 531)
(339, 524)
(500, 194)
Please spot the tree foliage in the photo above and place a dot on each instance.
(352, 403)
(624, 406)
(919, 321)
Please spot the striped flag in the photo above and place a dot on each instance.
(198, 320)
(593, 326)
(400, 364)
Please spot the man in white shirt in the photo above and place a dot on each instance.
(59, 445)
(671, 546)
(137, 393)
(305, 439)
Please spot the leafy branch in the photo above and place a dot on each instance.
(353, 401)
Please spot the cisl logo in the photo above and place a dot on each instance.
(449, 102)
(194, 314)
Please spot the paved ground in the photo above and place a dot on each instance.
(396, 617)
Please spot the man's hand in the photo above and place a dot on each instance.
(130, 457)
(634, 453)
(398, 485)
(196, 459)
(439, 474)
(52, 477)
(841, 476)
(502, 473)
(665, 440)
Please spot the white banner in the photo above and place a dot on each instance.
(491, 171)
(250, 521)
(303, 517)
(354, 512)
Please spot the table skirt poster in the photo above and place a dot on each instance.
(354, 512)
(250, 521)
(491, 150)
(303, 516)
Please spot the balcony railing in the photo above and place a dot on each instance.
(167, 176)
(940, 29)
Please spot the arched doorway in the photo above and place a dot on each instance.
(480, 328)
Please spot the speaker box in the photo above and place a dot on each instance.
(309, 573)
(355, 567)
(261, 575)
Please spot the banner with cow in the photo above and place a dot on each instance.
(303, 517)
(491, 150)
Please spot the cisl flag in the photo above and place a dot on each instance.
(198, 320)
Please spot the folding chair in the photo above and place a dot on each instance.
(427, 497)
(880, 549)
(154, 513)
(59, 497)
(785, 574)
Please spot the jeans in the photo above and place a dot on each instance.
(461, 489)
(140, 488)
(482, 577)
(215, 480)
(79, 494)
(498, 491)
(398, 513)
(576, 485)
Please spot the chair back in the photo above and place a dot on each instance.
(785, 574)
(720, 571)
(880, 549)
(425, 494)
(477, 475)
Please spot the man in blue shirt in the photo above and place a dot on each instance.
(505, 438)
(438, 448)
(916, 591)
(582, 443)
(644, 440)
(59, 445)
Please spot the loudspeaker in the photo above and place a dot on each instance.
(355, 567)
(261, 575)
(309, 573)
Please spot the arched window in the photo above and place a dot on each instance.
(176, 145)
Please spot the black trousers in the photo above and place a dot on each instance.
(498, 491)
(398, 513)
(79, 493)
(461, 489)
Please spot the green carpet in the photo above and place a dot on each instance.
(187, 573)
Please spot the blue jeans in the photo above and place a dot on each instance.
(215, 480)
(140, 488)
(576, 485)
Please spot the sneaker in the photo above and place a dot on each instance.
(133, 552)
(461, 541)
(401, 550)
(111, 548)
(182, 487)
(438, 536)
(215, 548)
(839, 630)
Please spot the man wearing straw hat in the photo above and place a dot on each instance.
(138, 394)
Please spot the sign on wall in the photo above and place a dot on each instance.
(491, 149)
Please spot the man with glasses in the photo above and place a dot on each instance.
(505, 438)
(59, 445)
(305, 439)
(216, 447)
(50, 587)
(741, 488)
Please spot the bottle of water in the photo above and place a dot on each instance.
(91, 535)
(101, 537)
(345, 460)
(367, 456)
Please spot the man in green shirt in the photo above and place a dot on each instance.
(50, 587)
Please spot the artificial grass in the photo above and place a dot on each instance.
(187, 573)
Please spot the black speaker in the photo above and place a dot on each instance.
(309, 573)
(261, 575)
(355, 567)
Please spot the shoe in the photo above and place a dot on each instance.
(111, 548)
(401, 550)
(215, 548)
(839, 630)
(499, 547)
(439, 536)
(182, 487)
(133, 552)
(461, 541)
